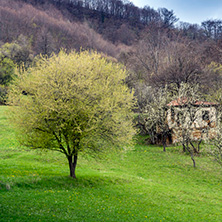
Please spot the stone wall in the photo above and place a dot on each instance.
(203, 126)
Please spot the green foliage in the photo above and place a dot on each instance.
(6, 70)
(10, 50)
(11, 55)
(18, 51)
(6, 74)
(73, 102)
(3, 94)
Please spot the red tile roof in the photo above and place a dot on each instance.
(184, 101)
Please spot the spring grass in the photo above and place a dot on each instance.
(143, 184)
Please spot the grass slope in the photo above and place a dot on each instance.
(143, 184)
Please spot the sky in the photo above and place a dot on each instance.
(191, 11)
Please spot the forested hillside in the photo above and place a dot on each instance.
(155, 47)
(50, 25)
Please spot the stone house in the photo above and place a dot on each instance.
(200, 117)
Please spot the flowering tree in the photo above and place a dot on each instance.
(73, 103)
(188, 115)
(154, 116)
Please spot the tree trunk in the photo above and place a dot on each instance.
(199, 145)
(184, 147)
(72, 165)
(194, 148)
(164, 147)
(191, 155)
(192, 158)
(164, 143)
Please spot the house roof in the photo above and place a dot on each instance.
(184, 101)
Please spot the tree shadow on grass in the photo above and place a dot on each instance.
(62, 182)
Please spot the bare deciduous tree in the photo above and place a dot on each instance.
(186, 117)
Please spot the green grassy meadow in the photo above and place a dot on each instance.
(143, 184)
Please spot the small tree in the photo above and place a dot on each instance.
(6, 70)
(73, 103)
(18, 51)
(187, 116)
(6, 74)
(215, 147)
(154, 116)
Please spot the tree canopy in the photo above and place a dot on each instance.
(73, 103)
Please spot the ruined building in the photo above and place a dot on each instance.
(196, 119)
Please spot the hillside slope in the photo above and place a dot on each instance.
(143, 184)
(47, 30)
